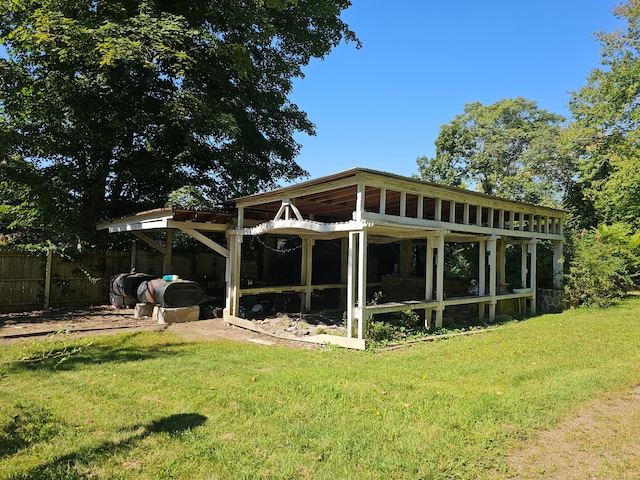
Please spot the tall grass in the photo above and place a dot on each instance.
(149, 405)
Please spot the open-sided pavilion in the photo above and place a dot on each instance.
(362, 207)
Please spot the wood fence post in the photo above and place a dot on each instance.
(47, 279)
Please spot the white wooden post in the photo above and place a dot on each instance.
(383, 201)
(351, 282)
(134, 256)
(532, 247)
(428, 291)
(438, 210)
(420, 214)
(232, 273)
(360, 193)
(557, 264)
(523, 266)
(501, 260)
(403, 204)
(482, 265)
(47, 279)
(240, 217)
(491, 247)
(306, 270)
(440, 280)
(167, 259)
(452, 211)
(362, 282)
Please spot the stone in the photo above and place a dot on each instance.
(164, 315)
(143, 310)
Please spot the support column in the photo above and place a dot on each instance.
(557, 264)
(532, 247)
(482, 265)
(167, 259)
(351, 282)
(306, 270)
(232, 274)
(491, 248)
(134, 255)
(406, 254)
(47, 279)
(523, 266)
(440, 279)
(428, 291)
(362, 283)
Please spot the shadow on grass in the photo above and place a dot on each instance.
(77, 464)
(62, 352)
(25, 426)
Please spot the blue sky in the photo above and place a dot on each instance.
(382, 106)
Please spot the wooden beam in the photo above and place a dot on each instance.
(150, 241)
(216, 247)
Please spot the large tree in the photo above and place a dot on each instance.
(123, 101)
(509, 149)
(606, 128)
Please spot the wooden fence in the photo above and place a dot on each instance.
(38, 281)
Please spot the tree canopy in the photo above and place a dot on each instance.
(120, 102)
(606, 128)
(508, 149)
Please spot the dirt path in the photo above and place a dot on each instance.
(602, 441)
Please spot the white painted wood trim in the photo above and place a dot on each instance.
(151, 242)
(374, 220)
(206, 241)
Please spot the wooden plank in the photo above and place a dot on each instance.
(408, 223)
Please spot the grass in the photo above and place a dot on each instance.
(149, 405)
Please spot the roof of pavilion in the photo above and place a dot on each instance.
(333, 198)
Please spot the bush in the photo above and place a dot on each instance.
(380, 331)
(604, 265)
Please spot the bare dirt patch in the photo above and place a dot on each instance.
(602, 441)
(101, 320)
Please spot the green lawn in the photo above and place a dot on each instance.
(148, 405)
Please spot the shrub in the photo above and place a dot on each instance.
(604, 265)
(380, 331)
